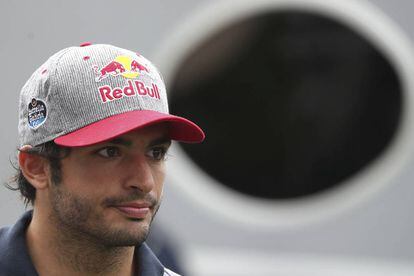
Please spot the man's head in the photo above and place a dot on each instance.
(94, 129)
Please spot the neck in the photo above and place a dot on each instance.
(56, 250)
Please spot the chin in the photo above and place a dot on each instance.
(124, 238)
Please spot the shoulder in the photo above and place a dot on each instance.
(3, 232)
(14, 256)
(168, 272)
(5, 236)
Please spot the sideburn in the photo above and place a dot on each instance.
(56, 170)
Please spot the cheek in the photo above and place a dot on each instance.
(87, 176)
(159, 178)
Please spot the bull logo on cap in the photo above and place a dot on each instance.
(121, 65)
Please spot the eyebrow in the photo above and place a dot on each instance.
(120, 141)
(160, 141)
(128, 143)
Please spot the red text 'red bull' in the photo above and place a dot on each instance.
(133, 88)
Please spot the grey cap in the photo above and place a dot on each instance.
(89, 94)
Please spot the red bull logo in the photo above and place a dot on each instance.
(137, 67)
(130, 69)
(113, 68)
(123, 66)
(133, 88)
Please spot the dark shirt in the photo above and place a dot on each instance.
(15, 259)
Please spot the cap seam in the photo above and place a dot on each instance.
(56, 64)
(53, 85)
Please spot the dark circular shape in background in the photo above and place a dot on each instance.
(292, 103)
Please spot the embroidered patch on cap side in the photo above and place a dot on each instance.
(37, 113)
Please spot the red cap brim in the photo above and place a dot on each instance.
(180, 128)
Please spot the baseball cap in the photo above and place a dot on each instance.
(92, 93)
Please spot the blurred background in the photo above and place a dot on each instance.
(308, 110)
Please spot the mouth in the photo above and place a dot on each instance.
(134, 210)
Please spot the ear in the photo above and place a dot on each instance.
(34, 168)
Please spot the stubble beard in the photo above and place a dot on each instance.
(76, 221)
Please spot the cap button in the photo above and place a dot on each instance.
(85, 44)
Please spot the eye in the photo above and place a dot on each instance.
(109, 152)
(157, 153)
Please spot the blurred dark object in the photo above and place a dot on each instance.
(293, 103)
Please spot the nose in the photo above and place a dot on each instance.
(139, 174)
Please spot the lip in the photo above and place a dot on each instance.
(134, 210)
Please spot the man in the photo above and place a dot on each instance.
(94, 130)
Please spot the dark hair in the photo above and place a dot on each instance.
(53, 153)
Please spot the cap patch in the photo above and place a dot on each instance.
(37, 113)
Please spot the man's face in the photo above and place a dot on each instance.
(111, 191)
